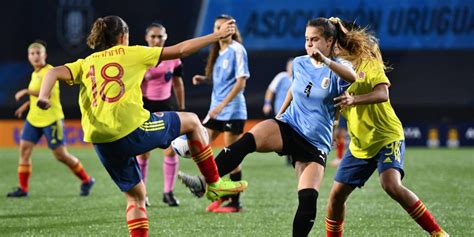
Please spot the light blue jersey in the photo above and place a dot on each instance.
(231, 64)
(279, 86)
(311, 112)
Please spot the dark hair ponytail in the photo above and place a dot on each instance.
(106, 32)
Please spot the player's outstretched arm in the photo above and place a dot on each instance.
(343, 71)
(191, 46)
(378, 95)
(57, 73)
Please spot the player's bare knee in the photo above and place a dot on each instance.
(337, 198)
(25, 156)
(189, 121)
(25, 151)
(61, 155)
(61, 158)
(138, 198)
(25, 159)
(392, 188)
(194, 120)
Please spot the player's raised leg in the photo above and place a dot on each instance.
(202, 155)
(263, 137)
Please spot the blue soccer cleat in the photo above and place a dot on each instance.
(17, 193)
(86, 187)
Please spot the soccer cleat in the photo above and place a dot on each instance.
(216, 204)
(147, 202)
(229, 208)
(224, 188)
(221, 188)
(440, 233)
(195, 184)
(17, 193)
(86, 187)
(169, 199)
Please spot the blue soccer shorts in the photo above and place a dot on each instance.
(355, 171)
(118, 157)
(54, 133)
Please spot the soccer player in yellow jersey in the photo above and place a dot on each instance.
(113, 117)
(377, 140)
(48, 123)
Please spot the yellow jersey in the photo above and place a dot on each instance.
(110, 94)
(371, 126)
(36, 116)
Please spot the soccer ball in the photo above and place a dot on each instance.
(181, 147)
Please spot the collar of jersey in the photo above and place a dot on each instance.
(225, 50)
(313, 62)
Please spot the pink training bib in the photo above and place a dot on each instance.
(158, 80)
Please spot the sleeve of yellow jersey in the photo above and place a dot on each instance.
(378, 74)
(75, 68)
(150, 55)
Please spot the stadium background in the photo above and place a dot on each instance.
(430, 45)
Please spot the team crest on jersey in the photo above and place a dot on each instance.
(297, 75)
(361, 74)
(325, 83)
(159, 114)
(225, 63)
(74, 19)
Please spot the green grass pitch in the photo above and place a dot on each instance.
(442, 178)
